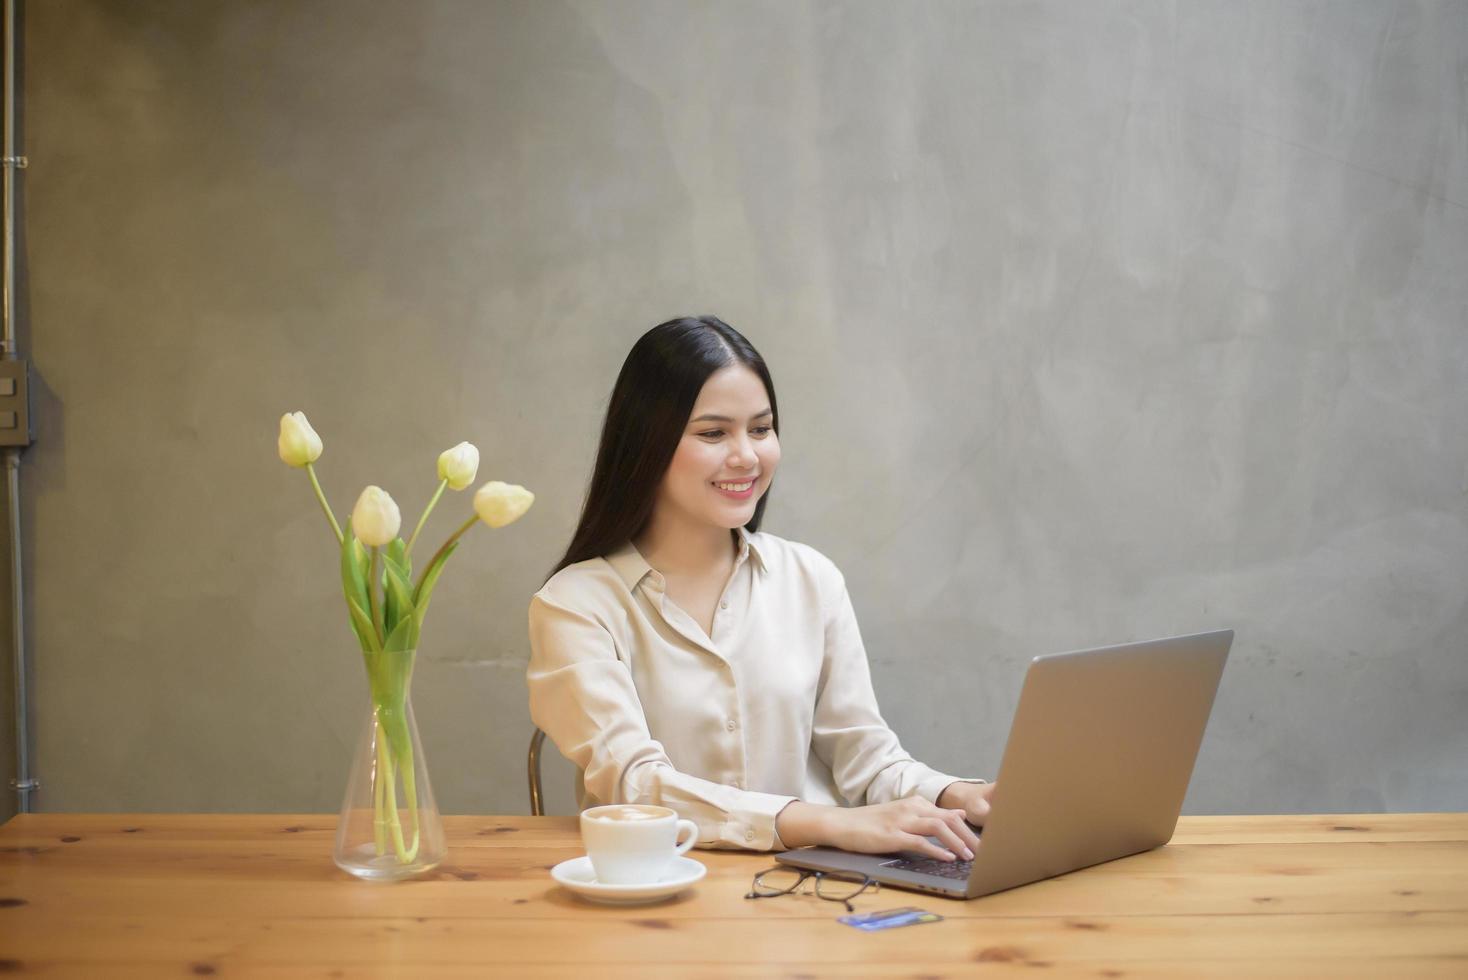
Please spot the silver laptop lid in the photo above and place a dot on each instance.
(1099, 756)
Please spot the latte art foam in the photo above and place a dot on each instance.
(627, 813)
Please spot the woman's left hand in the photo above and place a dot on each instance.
(971, 798)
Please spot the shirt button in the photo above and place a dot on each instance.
(731, 724)
(749, 835)
(724, 605)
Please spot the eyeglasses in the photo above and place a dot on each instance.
(833, 886)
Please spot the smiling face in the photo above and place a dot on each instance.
(729, 440)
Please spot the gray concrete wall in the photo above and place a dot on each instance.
(1134, 318)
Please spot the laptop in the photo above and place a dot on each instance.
(1096, 766)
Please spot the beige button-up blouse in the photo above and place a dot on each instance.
(775, 705)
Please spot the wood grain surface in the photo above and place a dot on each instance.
(157, 895)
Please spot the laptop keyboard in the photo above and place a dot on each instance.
(956, 870)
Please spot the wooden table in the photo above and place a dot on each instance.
(188, 895)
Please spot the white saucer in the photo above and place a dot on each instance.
(577, 875)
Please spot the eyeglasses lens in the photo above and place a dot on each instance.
(839, 887)
(777, 881)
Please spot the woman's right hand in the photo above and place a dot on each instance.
(902, 825)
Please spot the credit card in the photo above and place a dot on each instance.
(889, 919)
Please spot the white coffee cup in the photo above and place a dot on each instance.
(634, 843)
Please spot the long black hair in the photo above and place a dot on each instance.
(646, 416)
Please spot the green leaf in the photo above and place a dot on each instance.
(374, 603)
(397, 595)
(364, 640)
(354, 580)
(396, 553)
(354, 567)
(399, 598)
(390, 612)
(400, 639)
(362, 625)
(425, 588)
(388, 673)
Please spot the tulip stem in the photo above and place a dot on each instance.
(379, 791)
(427, 510)
(316, 485)
(445, 547)
(372, 602)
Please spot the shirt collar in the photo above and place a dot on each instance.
(749, 549)
(629, 564)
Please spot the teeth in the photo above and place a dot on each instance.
(735, 487)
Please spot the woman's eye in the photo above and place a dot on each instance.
(761, 430)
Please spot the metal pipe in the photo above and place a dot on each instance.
(24, 784)
(10, 164)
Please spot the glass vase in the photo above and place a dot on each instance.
(389, 826)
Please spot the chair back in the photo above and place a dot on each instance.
(537, 802)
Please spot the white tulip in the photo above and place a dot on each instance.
(375, 519)
(299, 444)
(498, 504)
(459, 465)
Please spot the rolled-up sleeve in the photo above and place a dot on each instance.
(582, 695)
(848, 734)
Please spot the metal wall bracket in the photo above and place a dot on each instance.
(15, 403)
(19, 163)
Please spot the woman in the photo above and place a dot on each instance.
(683, 657)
